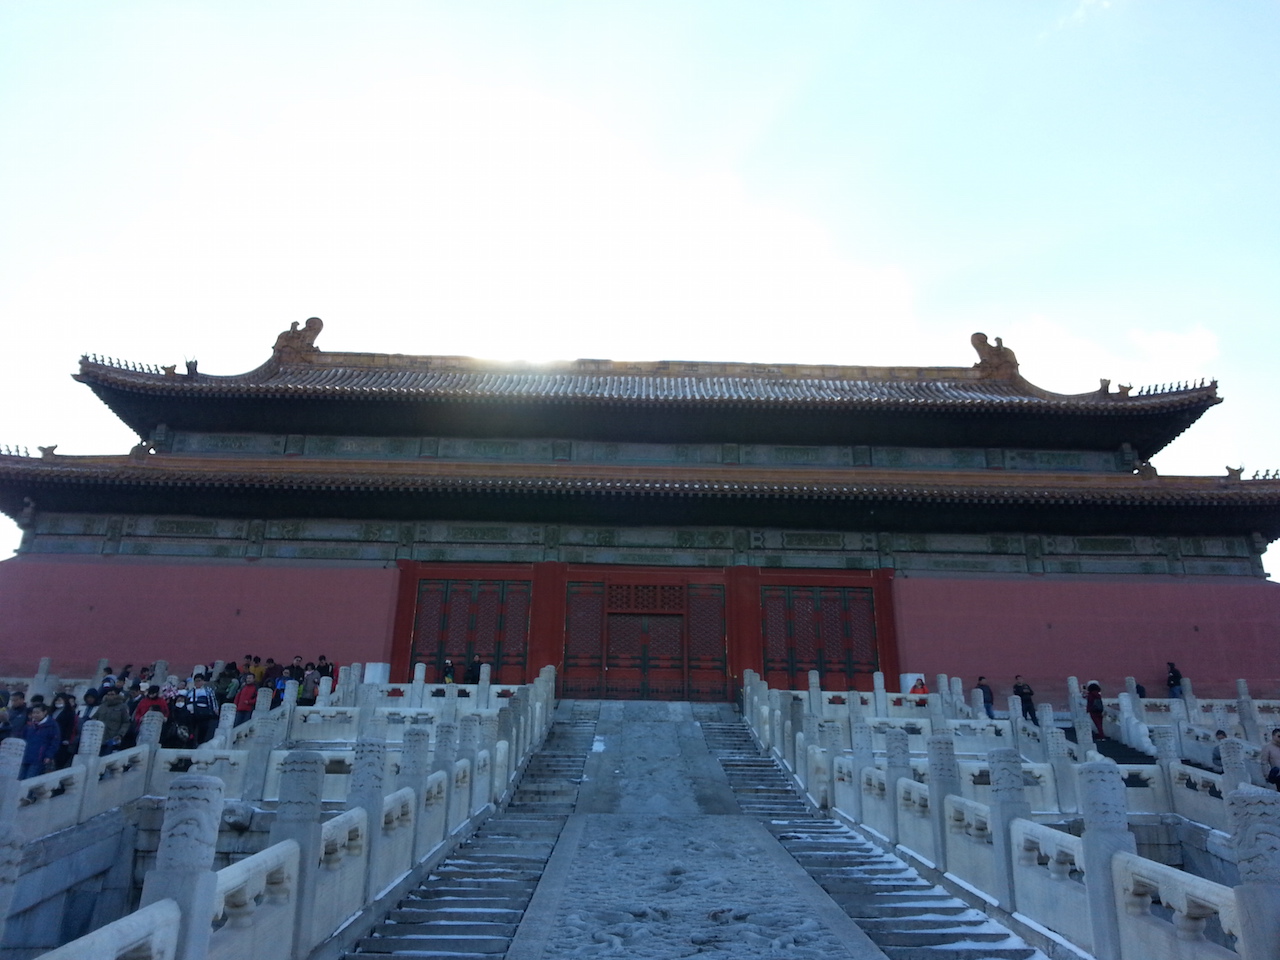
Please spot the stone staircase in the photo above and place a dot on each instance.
(1114, 749)
(472, 903)
(905, 915)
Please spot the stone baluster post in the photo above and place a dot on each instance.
(1064, 772)
(149, 729)
(226, 723)
(943, 689)
(12, 841)
(1190, 701)
(469, 746)
(881, 694)
(184, 860)
(506, 731)
(830, 737)
(1127, 721)
(483, 690)
(450, 709)
(957, 699)
(1015, 721)
(797, 710)
(443, 759)
(1139, 708)
(518, 704)
(367, 791)
(90, 744)
(41, 682)
(262, 703)
(977, 705)
(159, 672)
(298, 818)
(1079, 719)
(261, 742)
(776, 724)
(290, 698)
(1165, 740)
(862, 748)
(354, 680)
(103, 663)
(1075, 699)
(897, 767)
(418, 689)
(489, 732)
(1106, 833)
(1221, 720)
(367, 699)
(1247, 710)
(1235, 771)
(1254, 816)
(944, 781)
(324, 693)
(814, 706)
(935, 707)
(1008, 803)
(415, 758)
(340, 695)
(1047, 717)
(218, 667)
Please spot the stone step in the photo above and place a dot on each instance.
(908, 917)
(438, 928)
(441, 945)
(440, 911)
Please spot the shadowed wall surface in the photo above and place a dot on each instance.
(1095, 629)
(139, 611)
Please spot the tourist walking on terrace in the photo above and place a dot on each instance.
(988, 698)
(152, 701)
(1093, 706)
(1174, 681)
(1271, 759)
(1022, 690)
(43, 737)
(114, 716)
(17, 714)
(246, 698)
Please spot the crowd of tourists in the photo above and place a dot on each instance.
(189, 706)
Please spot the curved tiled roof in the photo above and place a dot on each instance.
(642, 481)
(378, 377)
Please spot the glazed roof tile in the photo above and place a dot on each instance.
(295, 373)
(642, 481)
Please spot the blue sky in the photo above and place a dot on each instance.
(850, 182)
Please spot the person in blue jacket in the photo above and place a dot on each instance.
(43, 738)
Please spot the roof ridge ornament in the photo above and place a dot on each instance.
(297, 346)
(994, 362)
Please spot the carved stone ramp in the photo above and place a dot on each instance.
(906, 916)
(470, 907)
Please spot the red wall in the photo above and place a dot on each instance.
(136, 611)
(1105, 629)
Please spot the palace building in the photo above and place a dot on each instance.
(651, 529)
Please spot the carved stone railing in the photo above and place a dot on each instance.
(1193, 902)
(1048, 878)
(254, 906)
(340, 879)
(147, 934)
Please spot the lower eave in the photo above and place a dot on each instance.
(851, 499)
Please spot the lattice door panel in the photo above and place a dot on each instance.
(583, 675)
(708, 654)
(828, 629)
(645, 657)
(458, 619)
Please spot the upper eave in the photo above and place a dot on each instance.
(301, 389)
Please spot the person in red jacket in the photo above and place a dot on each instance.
(246, 698)
(151, 701)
